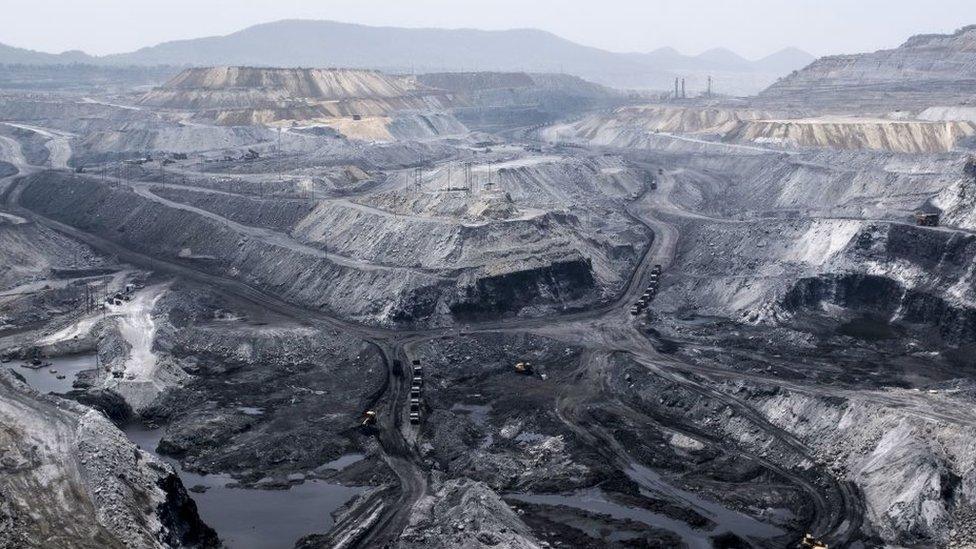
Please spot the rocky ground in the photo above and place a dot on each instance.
(803, 366)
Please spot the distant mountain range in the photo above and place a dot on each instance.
(303, 43)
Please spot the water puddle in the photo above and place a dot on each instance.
(727, 520)
(477, 412)
(342, 462)
(653, 485)
(595, 501)
(58, 377)
(253, 518)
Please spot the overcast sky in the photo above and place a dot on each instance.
(751, 27)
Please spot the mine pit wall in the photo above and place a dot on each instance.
(179, 236)
(919, 276)
(405, 126)
(915, 137)
(564, 280)
(95, 486)
(915, 474)
(280, 214)
(856, 183)
(384, 239)
(635, 127)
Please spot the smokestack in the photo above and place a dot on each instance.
(676, 94)
(683, 95)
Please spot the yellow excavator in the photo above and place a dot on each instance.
(810, 542)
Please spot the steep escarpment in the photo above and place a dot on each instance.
(361, 104)
(605, 129)
(253, 87)
(916, 473)
(758, 128)
(71, 479)
(303, 269)
(821, 183)
(916, 276)
(906, 136)
(926, 70)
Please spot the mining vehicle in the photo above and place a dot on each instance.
(635, 310)
(524, 368)
(810, 542)
(924, 219)
(369, 418)
(415, 418)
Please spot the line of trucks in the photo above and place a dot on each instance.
(416, 382)
(649, 294)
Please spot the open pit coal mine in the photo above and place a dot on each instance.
(259, 308)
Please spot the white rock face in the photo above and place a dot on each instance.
(903, 460)
(904, 136)
(71, 478)
(634, 126)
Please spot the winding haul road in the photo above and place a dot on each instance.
(608, 327)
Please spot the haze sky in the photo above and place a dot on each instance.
(752, 28)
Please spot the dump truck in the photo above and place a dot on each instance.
(523, 368)
(635, 310)
(369, 418)
(415, 418)
(810, 542)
